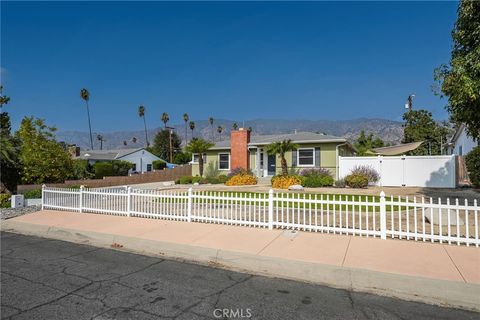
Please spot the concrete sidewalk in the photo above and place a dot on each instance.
(433, 273)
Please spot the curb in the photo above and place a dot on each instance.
(438, 292)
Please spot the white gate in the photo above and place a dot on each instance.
(409, 171)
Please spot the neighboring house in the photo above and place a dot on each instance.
(141, 158)
(249, 152)
(461, 143)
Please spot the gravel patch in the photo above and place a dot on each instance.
(7, 213)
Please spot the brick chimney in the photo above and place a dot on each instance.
(239, 157)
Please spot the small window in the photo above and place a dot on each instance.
(134, 167)
(306, 157)
(149, 167)
(195, 157)
(261, 159)
(224, 161)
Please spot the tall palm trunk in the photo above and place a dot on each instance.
(186, 133)
(146, 136)
(89, 125)
(200, 164)
(284, 164)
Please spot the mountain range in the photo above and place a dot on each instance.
(388, 130)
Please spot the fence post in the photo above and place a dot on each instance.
(270, 209)
(383, 216)
(81, 199)
(189, 205)
(43, 195)
(129, 201)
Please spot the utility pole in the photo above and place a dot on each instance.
(170, 149)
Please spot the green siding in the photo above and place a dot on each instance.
(327, 157)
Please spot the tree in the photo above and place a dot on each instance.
(220, 130)
(3, 99)
(460, 80)
(281, 148)
(161, 144)
(165, 118)
(141, 114)
(199, 146)
(134, 140)
(185, 119)
(420, 126)
(365, 143)
(210, 120)
(43, 159)
(182, 157)
(235, 126)
(100, 138)
(192, 127)
(9, 150)
(85, 95)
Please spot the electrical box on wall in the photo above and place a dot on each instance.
(17, 201)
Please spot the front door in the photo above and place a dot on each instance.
(271, 165)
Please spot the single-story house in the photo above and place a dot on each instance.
(249, 152)
(461, 143)
(140, 157)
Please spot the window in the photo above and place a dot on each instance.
(224, 161)
(261, 158)
(195, 157)
(306, 157)
(149, 167)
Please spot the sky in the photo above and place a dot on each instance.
(228, 60)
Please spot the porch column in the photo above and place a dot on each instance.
(257, 163)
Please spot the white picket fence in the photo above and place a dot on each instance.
(407, 218)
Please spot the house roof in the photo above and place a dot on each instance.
(398, 149)
(106, 154)
(299, 137)
(457, 133)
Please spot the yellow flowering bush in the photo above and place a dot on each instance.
(283, 182)
(241, 180)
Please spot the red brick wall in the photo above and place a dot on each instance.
(154, 176)
(239, 140)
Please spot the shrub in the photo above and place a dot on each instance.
(159, 164)
(222, 178)
(472, 161)
(316, 181)
(356, 180)
(240, 171)
(182, 158)
(196, 179)
(211, 170)
(315, 172)
(121, 168)
(5, 200)
(185, 180)
(33, 194)
(82, 170)
(283, 182)
(340, 183)
(102, 169)
(241, 180)
(368, 171)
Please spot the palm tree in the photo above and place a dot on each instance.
(281, 148)
(210, 120)
(124, 142)
(186, 118)
(235, 126)
(199, 146)
(100, 138)
(141, 114)
(220, 130)
(85, 95)
(134, 140)
(165, 119)
(192, 126)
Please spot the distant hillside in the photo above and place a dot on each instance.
(390, 131)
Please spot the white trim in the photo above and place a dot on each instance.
(196, 162)
(229, 159)
(313, 157)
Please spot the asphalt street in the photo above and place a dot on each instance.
(50, 279)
